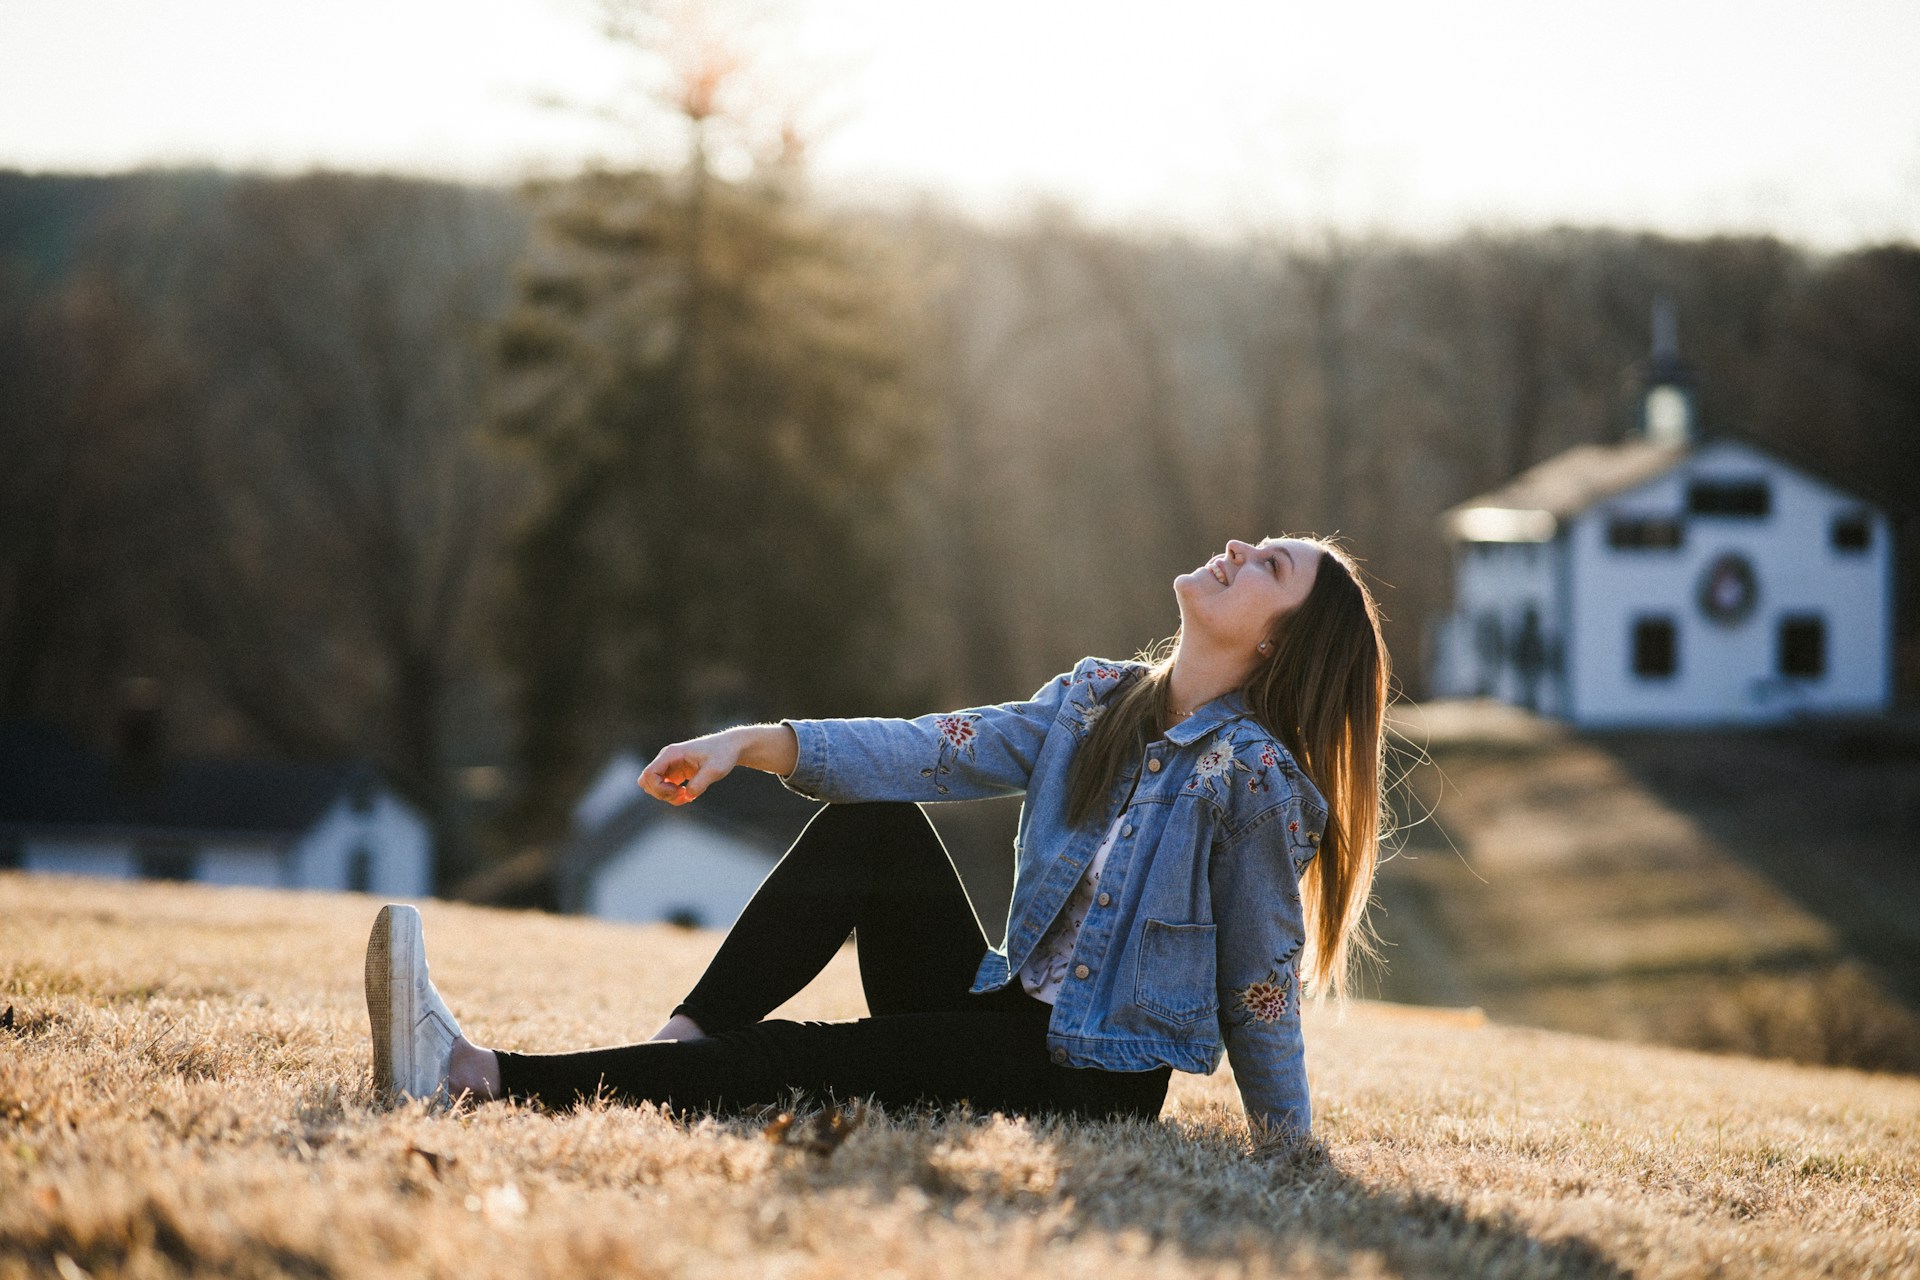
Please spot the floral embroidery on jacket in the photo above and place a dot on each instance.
(1302, 846)
(1088, 711)
(1270, 998)
(1261, 779)
(1215, 762)
(1219, 761)
(957, 734)
(1100, 672)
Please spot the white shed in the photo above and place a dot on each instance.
(633, 858)
(65, 808)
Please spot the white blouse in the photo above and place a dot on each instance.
(1047, 968)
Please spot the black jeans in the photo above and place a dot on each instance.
(879, 872)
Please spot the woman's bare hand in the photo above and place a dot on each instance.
(684, 770)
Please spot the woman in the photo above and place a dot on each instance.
(1199, 834)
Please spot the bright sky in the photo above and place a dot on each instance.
(1800, 117)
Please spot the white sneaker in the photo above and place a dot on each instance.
(413, 1033)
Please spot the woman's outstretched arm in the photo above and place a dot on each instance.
(684, 770)
(961, 755)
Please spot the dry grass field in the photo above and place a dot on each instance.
(185, 1092)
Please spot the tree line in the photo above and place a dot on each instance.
(481, 483)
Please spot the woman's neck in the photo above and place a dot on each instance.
(1198, 676)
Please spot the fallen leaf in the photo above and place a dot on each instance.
(435, 1162)
(822, 1134)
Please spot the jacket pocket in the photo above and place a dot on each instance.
(1174, 974)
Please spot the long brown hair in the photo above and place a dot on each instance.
(1323, 692)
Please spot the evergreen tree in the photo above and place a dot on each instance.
(707, 377)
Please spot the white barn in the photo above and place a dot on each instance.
(70, 810)
(632, 858)
(1667, 583)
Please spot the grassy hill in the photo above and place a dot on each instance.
(1746, 890)
(185, 1091)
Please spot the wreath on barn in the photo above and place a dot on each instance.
(1729, 590)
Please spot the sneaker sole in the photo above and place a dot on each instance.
(380, 999)
(381, 1004)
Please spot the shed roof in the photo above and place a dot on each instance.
(47, 780)
(1564, 486)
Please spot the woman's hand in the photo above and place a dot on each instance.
(684, 770)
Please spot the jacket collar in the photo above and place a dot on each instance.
(1211, 716)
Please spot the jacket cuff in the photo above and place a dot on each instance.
(809, 776)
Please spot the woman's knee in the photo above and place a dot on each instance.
(882, 820)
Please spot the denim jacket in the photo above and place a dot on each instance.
(1197, 933)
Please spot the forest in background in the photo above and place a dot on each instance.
(481, 483)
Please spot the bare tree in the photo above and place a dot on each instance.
(83, 401)
(337, 517)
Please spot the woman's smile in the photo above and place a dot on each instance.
(1241, 614)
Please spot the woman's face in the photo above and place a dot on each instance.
(1234, 599)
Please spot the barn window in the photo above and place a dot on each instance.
(1743, 499)
(1656, 648)
(1489, 651)
(1803, 646)
(1852, 532)
(360, 870)
(1489, 641)
(167, 860)
(1645, 533)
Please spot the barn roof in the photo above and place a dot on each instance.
(1562, 486)
(47, 780)
(1532, 506)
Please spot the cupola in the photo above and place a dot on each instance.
(1666, 403)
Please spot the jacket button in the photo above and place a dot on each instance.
(1313, 838)
(1153, 766)
(1127, 830)
(1081, 971)
(1060, 1055)
(1106, 899)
